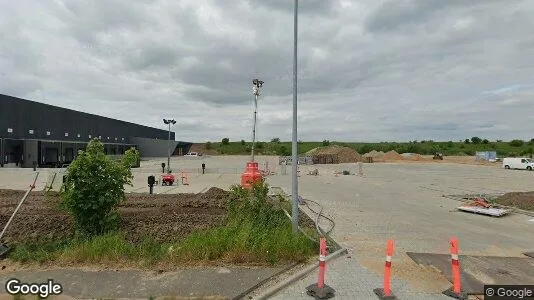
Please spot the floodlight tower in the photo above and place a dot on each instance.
(252, 174)
(256, 85)
(169, 122)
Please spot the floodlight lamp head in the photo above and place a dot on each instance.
(173, 121)
(165, 121)
(257, 82)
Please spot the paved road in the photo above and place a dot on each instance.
(404, 202)
(214, 283)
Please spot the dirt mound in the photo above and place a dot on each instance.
(374, 154)
(201, 148)
(416, 157)
(392, 155)
(166, 217)
(339, 154)
(521, 200)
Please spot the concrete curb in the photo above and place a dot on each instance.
(299, 275)
(262, 282)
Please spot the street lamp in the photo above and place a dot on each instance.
(256, 85)
(169, 122)
(294, 149)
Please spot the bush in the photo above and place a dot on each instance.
(485, 141)
(476, 140)
(283, 151)
(225, 141)
(517, 143)
(326, 143)
(94, 186)
(242, 142)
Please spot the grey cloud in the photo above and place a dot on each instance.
(403, 70)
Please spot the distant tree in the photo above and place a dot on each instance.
(275, 140)
(467, 141)
(499, 141)
(476, 140)
(208, 146)
(423, 141)
(225, 141)
(517, 143)
(414, 148)
(326, 143)
(365, 149)
(450, 144)
(485, 141)
(243, 142)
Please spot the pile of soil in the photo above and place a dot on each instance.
(374, 154)
(166, 217)
(339, 154)
(201, 148)
(521, 200)
(392, 155)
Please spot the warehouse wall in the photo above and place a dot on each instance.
(153, 147)
(33, 120)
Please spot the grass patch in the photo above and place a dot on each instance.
(256, 232)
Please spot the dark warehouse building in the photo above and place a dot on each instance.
(45, 135)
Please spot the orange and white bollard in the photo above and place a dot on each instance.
(320, 290)
(385, 292)
(456, 290)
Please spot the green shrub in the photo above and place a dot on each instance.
(516, 143)
(94, 186)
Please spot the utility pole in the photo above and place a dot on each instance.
(169, 122)
(294, 148)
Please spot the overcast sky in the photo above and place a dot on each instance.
(369, 70)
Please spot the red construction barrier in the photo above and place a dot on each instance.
(320, 290)
(385, 292)
(387, 271)
(322, 263)
(456, 290)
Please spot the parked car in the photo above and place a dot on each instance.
(522, 163)
(194, 154)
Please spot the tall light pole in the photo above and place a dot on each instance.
(256, 85)
(294, 149)
(169, 122)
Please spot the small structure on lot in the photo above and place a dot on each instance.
(486, 155)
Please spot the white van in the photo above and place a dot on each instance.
(522, 163)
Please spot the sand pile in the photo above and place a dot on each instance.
(375, 154)
(338, 154)
(416, 156)
(392, 155)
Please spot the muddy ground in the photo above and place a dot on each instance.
(166, 217)
(521, 200)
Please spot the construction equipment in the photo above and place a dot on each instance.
(4, 249)
(438, 156)
(167, 179)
